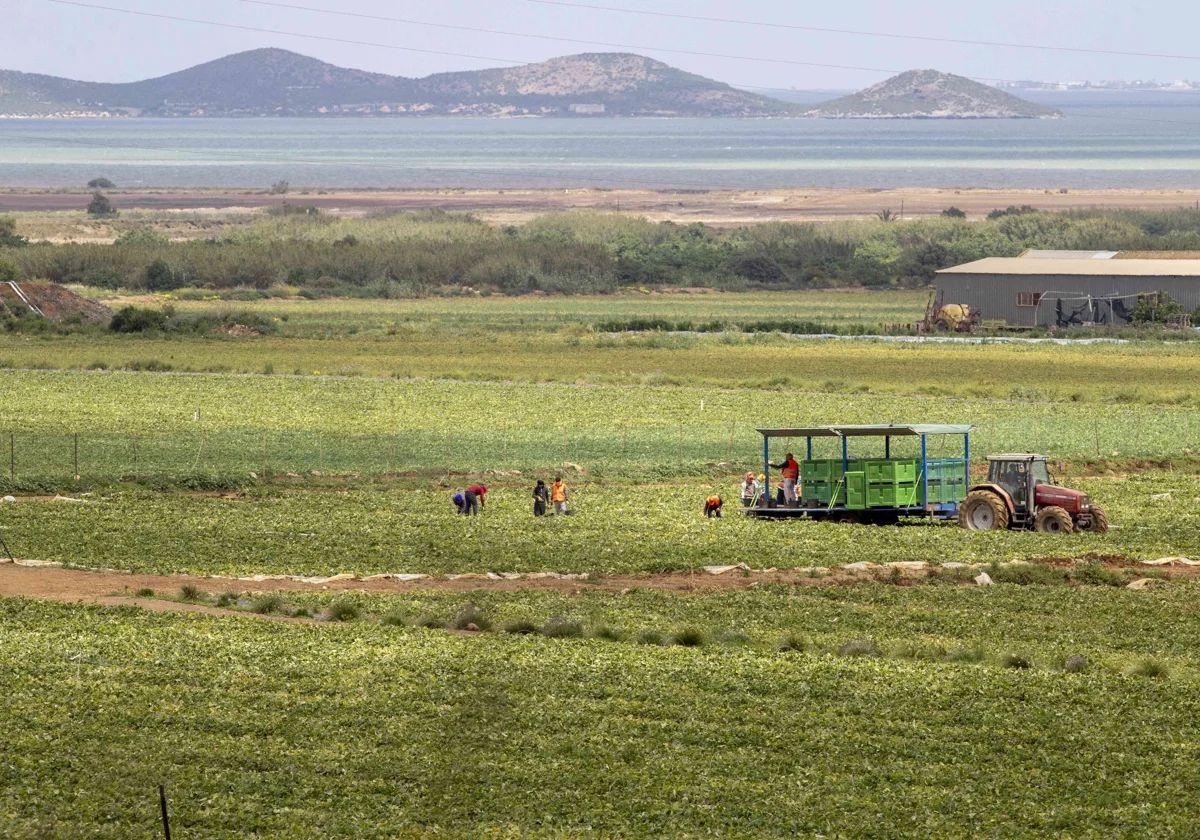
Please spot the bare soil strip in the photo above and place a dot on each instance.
(718, 207)
(115, 587)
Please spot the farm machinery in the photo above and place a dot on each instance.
(1019, 492)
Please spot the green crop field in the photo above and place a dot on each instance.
(368, 731)
(1055, 702)
(618, 529)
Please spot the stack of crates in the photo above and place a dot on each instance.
(892, 483)
(818, 481)
(866, 483)
(947, 480)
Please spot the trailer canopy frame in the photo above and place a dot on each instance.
(884, 430)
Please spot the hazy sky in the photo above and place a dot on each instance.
(39, 36)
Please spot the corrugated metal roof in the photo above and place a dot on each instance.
(1044, 254)
(1105, 268)
(875, 430)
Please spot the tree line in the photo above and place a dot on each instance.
(412, 254)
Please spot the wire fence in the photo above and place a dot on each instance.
(33, 457)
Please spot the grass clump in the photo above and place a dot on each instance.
(301, 612)
(226, 599)
(520, 627)
(689, 637)
(393, 618)
(145, 592)
(267, 604)
(188, 592)
(470, 617)
(1075, 664)
(733, 638)
(651, 637)
(1015, 660)
(430, 622)
(1150, 667)
(859, 647)
(1097, 575)
(608, 634)
(791, 643)
(558, 627)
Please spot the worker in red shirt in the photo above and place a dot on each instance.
(790, 471)
(474, 497)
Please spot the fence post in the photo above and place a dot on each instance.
(162, 809)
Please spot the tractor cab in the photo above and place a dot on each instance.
(1019, 475)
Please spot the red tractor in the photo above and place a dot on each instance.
(1019, 493)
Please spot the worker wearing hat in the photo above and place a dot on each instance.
(750, 490)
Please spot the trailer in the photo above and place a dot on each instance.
(854, 486)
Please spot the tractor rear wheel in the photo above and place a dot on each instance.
(983, 510)
(1098, 524)
(1053, 520)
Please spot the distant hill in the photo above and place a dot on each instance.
(274, 82)
(929, 94)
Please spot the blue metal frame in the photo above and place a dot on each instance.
(939, 510)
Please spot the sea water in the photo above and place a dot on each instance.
(1104, 140)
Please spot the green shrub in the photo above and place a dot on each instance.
(267, 604)
(145, 592)
(343, 609)
(226, 599)
(137, 319)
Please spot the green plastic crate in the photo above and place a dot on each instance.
(856, 490)
(891, 471)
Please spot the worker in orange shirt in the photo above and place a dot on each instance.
(790, 471)
(558, 495)
(712, 506)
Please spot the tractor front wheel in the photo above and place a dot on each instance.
(1053, 520)
(1098, 524)
(983, 510)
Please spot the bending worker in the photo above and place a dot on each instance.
(790, 472)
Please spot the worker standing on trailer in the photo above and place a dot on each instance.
(790, 472)
(558, 495)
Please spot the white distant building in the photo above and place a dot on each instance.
(592, 108)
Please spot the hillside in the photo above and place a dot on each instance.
(274, 82)
(930, 94)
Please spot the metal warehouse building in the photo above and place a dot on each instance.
(1065, 288)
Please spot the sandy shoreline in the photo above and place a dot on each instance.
(719, 207)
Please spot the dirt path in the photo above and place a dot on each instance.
(108, 587)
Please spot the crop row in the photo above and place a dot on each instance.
(356, 730)
(616, 529)
(176, 424)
